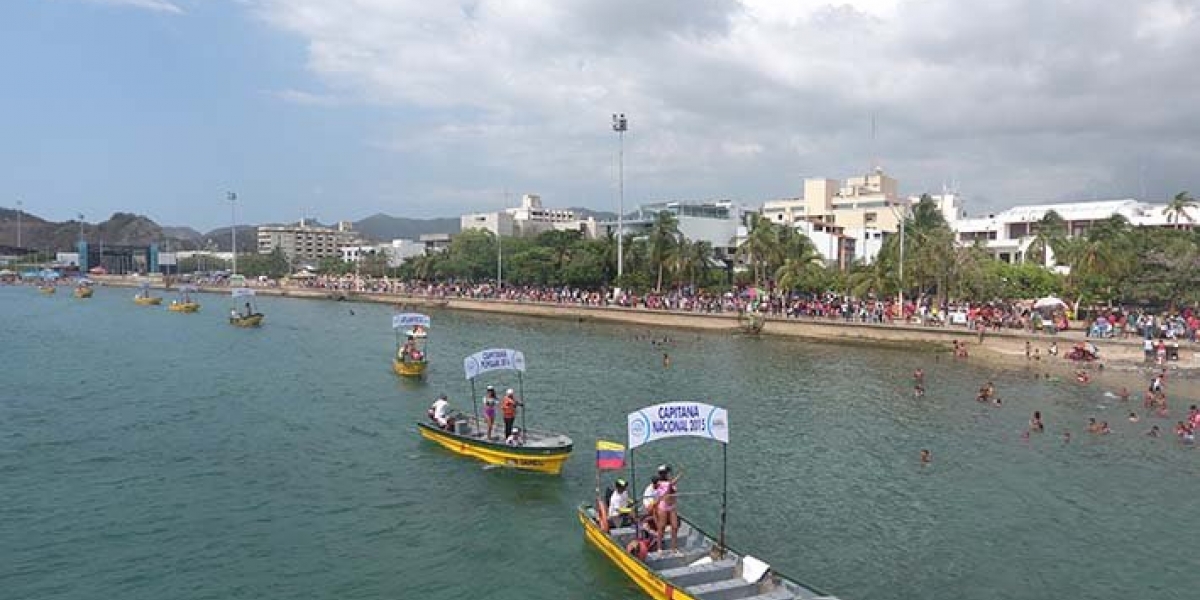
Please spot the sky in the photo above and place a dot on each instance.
(339, 109)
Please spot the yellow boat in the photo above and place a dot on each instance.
(252, 317)
(253, 320)
(147, 300)
(410, 368)
(185, 304)
(47, 289)
(539, 452)
(411, 359)
(692, 564)
(83, 292)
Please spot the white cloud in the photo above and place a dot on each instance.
(1016, 99)
(153, 5)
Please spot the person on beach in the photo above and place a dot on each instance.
(1028, 350)
(508, 407)
(1053, 350)
(489, 408)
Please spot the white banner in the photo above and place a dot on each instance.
(678, 419)
(241, 292)
(495, 359)
(406, 320)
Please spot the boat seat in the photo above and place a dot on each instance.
(726, 589)
(697, 574)
(670, 559)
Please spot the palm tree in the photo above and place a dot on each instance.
(1048, 233)
(664, 241)
(801, 268)
(763, 246)
(692, 258)
(1178, 207)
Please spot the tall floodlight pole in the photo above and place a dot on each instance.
(903, 218)
(620, 124)
(232, 197)
(80, 226)
(19, 210)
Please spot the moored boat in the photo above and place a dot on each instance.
(250, 317)
(83, 289)
(522, 449)
(696, 565)
(143, 297)
(47, 289)
(410, 359)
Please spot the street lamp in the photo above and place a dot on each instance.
(620, 124)
(232, 197)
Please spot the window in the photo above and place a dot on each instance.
(870, 217)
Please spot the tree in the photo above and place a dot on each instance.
(1178, 207)
(1048, 233)
(663, 241)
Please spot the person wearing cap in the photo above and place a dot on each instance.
(508, 407)
(620, 505)
(489, 408)
(438, 410)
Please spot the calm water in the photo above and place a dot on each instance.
(149, 455)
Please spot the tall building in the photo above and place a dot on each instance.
(528, 220)
(721, 223)
(306, 242)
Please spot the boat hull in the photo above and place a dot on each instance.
(538, 460)
(641, 575)
(250, 321)
(83, 293)
(184, 307)
(410, 368)
(46, 290)
(143, 301)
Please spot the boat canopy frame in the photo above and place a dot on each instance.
(496, 359)
(680, 419)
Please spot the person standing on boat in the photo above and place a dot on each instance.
(489, 409)
(666, 512)
(438, 410)
(508, 407)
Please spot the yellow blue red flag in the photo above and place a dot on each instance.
(609, 455)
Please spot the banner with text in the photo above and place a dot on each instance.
(242, 292)
(495, 359)
(409, 320)
(678, 419)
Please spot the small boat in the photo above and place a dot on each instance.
(528, 450)
(143, 297)
(185, 303)
(411, 359)
(251, 317)
(699, 566)
(83, 289)
(47, 289)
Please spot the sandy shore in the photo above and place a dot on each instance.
(1121, 363)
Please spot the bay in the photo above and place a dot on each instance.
(146, 454)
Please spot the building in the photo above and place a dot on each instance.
(721, 223)
(871, 201)
(434, 242)
(528, 220)
(1008, 234)
(396, 251)
(306, 242)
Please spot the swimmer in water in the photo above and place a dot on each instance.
(919, 376)
(1133, 418)
(1082, 377)
(1154, 431)
(926, 457)
(666, 360)
(1066, 437)
(1123, 394)
(1035, 422)
(1104, 430)
(997, 402)
(1092, 425)
(918, 391)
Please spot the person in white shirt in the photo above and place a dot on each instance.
(620, 506)
(437, 412)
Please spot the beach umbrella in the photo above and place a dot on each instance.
(1049, 302)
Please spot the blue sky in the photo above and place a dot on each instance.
(345, 108)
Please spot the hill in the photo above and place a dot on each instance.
(383, 227)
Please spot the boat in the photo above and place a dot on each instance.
(143, 297)
(532, 450)
(83, 288)
(410, 359)
(251, 317)
(185, 303)
(47, 289)
(701, 566)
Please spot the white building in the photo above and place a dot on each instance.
(1008, 234)
(396, 251)
(528, 220)
(720, 223)
(306, 242)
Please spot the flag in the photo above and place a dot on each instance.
(609, 455)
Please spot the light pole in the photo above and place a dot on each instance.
(232, 197)
(19, 205)
(620, 124)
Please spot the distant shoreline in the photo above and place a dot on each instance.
(1006, 346)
